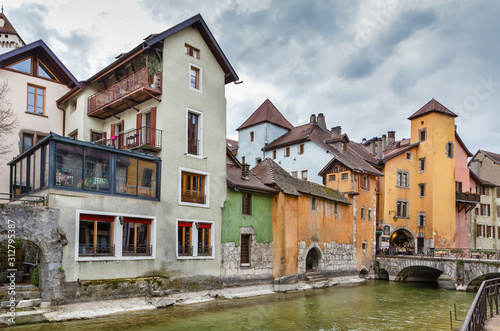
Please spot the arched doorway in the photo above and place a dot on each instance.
(403, 240)
(312, 260)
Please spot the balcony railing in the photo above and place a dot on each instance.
(185, 250)
(468, 197)
(145, 137)
(193, 197)
(204, 251)
(137, 250)
(98, 249)
(131, 90)
(485, 305)
(193, 146)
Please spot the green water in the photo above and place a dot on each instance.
(373, 305)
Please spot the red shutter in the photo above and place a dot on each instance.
(91, 134)
(136, 220)
(121, 138)
(478, 230)
(90, 217)
(104, 135)
(185, 224)
(205, 225)
(152, 133)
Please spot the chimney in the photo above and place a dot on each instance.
(372, 147)
(245, 170)
(322, 121)
(380, 154)
(363, 141)
(391, 137)
(336, 131)
(313, 118)
(384, 142)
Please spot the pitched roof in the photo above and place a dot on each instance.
(492, 156)
(298, 134)
(253, 184)
(41, 50)
(232, 145)
(7, 27)
(432, 106)
(266, 113)
(272, 174)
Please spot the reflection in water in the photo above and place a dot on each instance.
(373, 305)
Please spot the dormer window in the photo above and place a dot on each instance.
(191, 51)
(342, 147)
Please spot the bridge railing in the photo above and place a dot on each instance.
(485, 304)
(454, 253)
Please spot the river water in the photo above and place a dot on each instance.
(371, 305)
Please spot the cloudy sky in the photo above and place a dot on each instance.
(366, 64)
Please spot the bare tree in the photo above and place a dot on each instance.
(8, 119)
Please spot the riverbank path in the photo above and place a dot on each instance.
(492, 323)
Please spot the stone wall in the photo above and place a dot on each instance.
(335, 259)
(261, 262)
(38, 225)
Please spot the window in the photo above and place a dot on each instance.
(313, 203)
(274, 154)
(95, 136)
(36, 99)
(490, 232)
(345, 176)
(304, 174)
(95, 235)
(369, 214)
(485, 209)
(421, 220)
(403, 179)
(287, 151)
(251, 136)
(402, 209)
(22, 66)
(301, 149)
(191, 51)
(421, 190)
(193, 133)
(422, 134)
(363, 246)
(74, 134)
(193, 188)
(335, 208)
(363, 216)
(458, 186)
(365, 182)
(480, 230)
(245, 250)
(196, 233)
(194, 77)
(246, 204)
(44, 72)
(72, 106)
(408, 155)
(96, 170)
(331, 178)
(27, 141)
(136, 236)
(421, 164)
(449, 150)
(342, 147)
(294, 174)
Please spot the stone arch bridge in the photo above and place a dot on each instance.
(452, 273)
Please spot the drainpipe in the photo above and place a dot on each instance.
(64, 120)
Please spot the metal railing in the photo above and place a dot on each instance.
(28, 198)
(134, 138)
(98, 249)
(193, 197)
(185, 250)
(132, 82)
(484, 305)
(137, 250)
(205, 251)
(452, 253)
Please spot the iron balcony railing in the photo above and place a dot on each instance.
(137, 250)
(193, 146)
(485, 304)
(129, 84)
(193, 197)
(452, 253)
(97, 249)
(204, 251)
(135, 138)
(185, 250)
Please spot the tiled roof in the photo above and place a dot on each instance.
(431, 106)
(492, 156)
(362, 152)
(267, 112)
(7, 27)
(232, 145)
(298, 134)
(272, 174)
(234, 180)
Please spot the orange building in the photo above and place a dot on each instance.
(312, 226)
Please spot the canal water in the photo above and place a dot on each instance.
(371, 305)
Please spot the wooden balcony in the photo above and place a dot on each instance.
(127, 93)
(142, 138)
(468, 197)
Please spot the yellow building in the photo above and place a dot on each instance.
(418, 200)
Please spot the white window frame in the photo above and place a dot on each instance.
(302, 174)
(207, 188)
(200, 78)
(194, 239)
(200, 132)
(117, 238)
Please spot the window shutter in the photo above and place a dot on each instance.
(91, 135)
(122, 137)
(112, 130)
(362, 183)
(152, 134)
(104, 135)
(489, 210)
(138, 126)
(478, 230)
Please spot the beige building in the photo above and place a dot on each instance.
(141, 188)
(36, 78)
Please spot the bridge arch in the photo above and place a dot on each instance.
(419, 274)
(475, 283)
(401, 235)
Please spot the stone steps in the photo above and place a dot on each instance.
(28, 297)
(315, 277)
